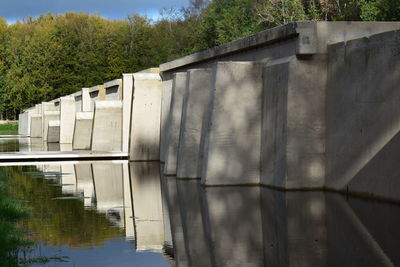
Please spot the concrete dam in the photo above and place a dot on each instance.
(304, 106)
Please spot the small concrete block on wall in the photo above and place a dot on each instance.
(107, 126)
(53, 132)
(67, 119)
(36, 126)
(83, 131)
(232, 143)
(49, 116)
(194, 111)
(174, 122)
(146, 117)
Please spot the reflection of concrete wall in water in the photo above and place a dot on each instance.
(234, 219)
(108, 183)
(166, 217)
(192, 223)
(68, 178)
(84, 182)
(128, 205)
(171, 195)
(147, 205)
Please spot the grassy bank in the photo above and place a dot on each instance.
(9, 129)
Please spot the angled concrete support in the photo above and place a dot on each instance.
(193, 122)
(174, 122)
(127, 97)
(86, 99)
(67, 119)
(49, 116)
(232, 145)
(146, 117)
(107, 126)
(44, 107)
(53, 132)
(83, 131)
(165, 109)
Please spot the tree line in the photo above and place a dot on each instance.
(49, 56)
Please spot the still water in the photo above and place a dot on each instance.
(119, 213)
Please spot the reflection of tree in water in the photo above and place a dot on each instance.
(57, 222)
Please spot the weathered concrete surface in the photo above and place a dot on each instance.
(45, 107)
(113, 90)
(363, 116)
(193, 122)
(146, 117)
(293, 148)
(36, 126)
(165, 109)
(83, 131)
(107, 126)
(23, 122)
(127, 95)
(53, 132)
(78, 100)
(49, 116)
(232, 145)
(67, 119)
(96, 93)
(174, 122)
(147, 205)
(86, 102)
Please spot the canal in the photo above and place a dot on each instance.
(120, 213)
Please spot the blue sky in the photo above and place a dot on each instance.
(14, 10)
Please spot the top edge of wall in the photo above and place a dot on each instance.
(311, 37)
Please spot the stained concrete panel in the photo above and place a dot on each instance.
(193, 122)
(107, 126)
(83, 131)
(146, 117)
(53, 132)
(67, 119)
(174, 123)
(293, 148)
(127, 97)
(49, 116)
(36, 126)
(232, 143)
(147, 205)
(165, 111)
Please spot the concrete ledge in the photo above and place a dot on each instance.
(83, 131)
(107, 126)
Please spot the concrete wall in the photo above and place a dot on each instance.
(49, 116)
(113, 90)
(53, 132)
(146, 117)
(83, 131)
(36, 126)
(67, 119)
(107, 126)
(23, 123)
(363, 115)
(193, 123)
(127, 96)
(45, 107)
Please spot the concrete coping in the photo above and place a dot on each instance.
(105, 104)
(84, 115)
(116, 82)
(52, 113)
(78, 93)
(47, 103)
(54, 123)
(146, 76)
(311, 37)
(150, 70)
(68, 97)
(36, 115)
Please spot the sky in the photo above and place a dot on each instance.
(13, 10)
